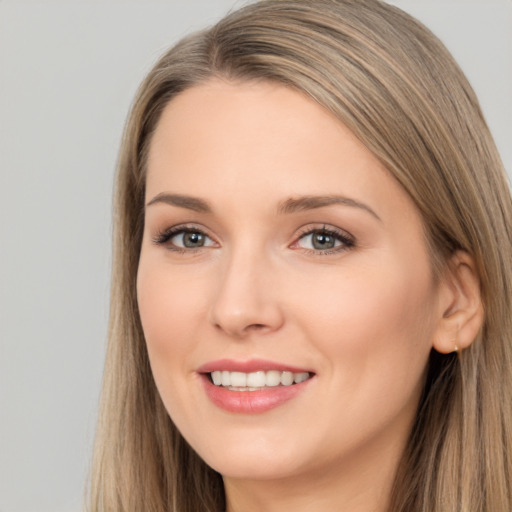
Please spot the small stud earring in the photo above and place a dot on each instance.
(455, 349)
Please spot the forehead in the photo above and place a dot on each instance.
(262, 141)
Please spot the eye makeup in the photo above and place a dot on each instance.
(324, 240)
(183, 238)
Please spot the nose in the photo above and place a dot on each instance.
(246, 300)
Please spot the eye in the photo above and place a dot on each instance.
(324, 240)
(183, 238)
(189, 240)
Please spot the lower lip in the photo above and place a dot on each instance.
(251, 402)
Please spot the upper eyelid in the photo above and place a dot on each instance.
(348, 241)
(178, 228)
(170, 232)
(308, 229)
(301, 232)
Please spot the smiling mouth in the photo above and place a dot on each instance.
(256, 381)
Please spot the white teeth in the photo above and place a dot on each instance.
(226, 378)
(257, 380)
(238, 379)
(273, 378)
(287, 378)
(300, 377)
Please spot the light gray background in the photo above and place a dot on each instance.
(68, 72)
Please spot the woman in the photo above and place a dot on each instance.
(310, 303)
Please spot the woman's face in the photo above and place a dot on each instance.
(281, 261)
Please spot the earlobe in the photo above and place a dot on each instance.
(462, 314)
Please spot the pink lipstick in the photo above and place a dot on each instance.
(253, 386)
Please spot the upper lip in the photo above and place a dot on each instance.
(252, 365)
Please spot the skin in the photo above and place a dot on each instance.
(363, 317)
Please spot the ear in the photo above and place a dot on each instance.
(462, 313)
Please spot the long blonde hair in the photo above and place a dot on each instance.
(391, 81)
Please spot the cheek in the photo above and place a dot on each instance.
(169, 307)
(374, 335)
(372, 322)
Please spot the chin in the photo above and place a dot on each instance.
(256, 467)
(265, 460)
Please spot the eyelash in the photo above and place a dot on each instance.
(347, 241)
(163, 237)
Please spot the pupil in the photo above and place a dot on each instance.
(323, 241)
(193, 240)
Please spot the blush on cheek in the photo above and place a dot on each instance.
(366, 313)
(168, 310)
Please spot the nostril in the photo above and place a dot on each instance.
(256, 328)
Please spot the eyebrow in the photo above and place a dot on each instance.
(190, 203)
(292, 205)
(304, 203)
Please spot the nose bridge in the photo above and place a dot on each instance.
(244, 300)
